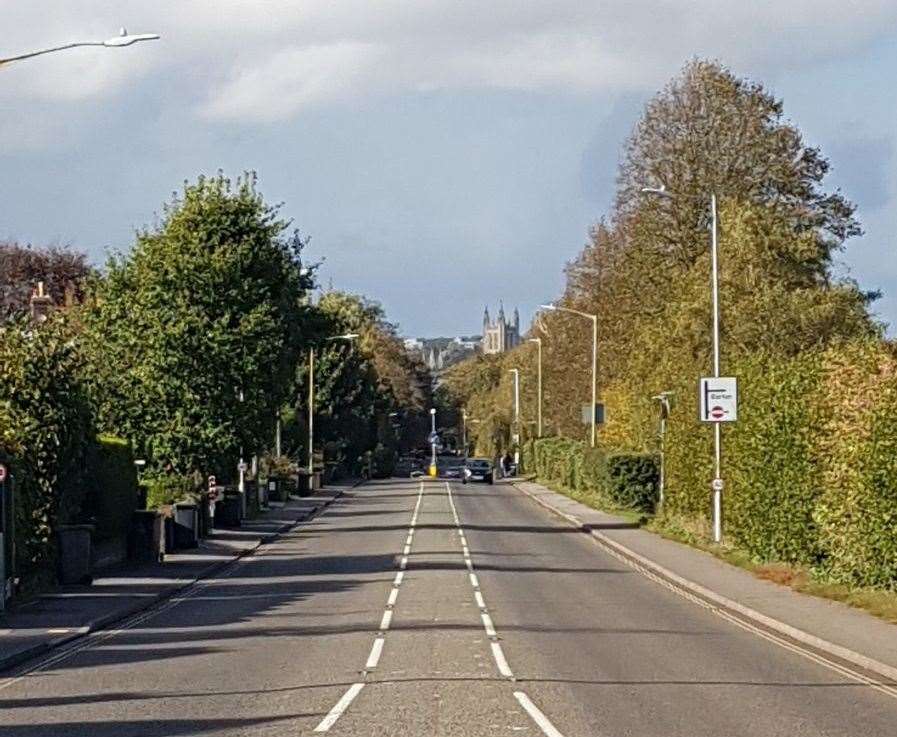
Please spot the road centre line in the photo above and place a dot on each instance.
(339, 708)
(498, 655)
(376, 651)
(386, 620)
(500, 661)
(548, 729)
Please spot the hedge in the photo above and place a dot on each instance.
(163, 490)
(810, 466)
(626, 480)
(44, 427)
(111, 479)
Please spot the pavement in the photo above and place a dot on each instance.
(69, 612)
(425, 608)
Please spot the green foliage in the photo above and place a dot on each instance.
(383, 462)
(167, 489)
(631, 480)
(772, 464)
(810, 466)
(111, 483)
(207, 308)
(46, 421)
(625, 480)
(857, 509)
(361, 384)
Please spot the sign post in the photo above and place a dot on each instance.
(718, 397)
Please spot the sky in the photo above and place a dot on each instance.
(440, 154)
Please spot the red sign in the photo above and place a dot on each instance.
(717, 412)
(2, 473)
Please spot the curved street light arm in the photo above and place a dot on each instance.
(124, 39)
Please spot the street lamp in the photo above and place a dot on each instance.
(311, 401)
(664, 400)
(432, 470)
(122, 39)
(717, 484)
(538, 341)
(594, 319)
(516, 437)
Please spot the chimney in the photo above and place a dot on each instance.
(41, 303)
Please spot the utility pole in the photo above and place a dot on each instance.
(717, 483)
(433, 470)
(594, 319)
(516, 437)
(538, 342)
(311, 414)
(717, 427)
(664, 400)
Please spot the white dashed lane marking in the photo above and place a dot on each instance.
(498, 655)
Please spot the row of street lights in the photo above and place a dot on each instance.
(663, 398)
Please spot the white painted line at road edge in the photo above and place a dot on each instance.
(337, 711)
(548, 729)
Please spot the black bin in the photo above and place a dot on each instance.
(186, 526)
(228, 511)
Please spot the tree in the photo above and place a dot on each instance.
(193, 337)
(646, 269)
(368, 387)
(64, 273)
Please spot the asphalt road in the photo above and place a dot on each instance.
(424, 609)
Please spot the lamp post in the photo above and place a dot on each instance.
(594, 319)
(516, 436)
(311, 401)
(122, 39)
(664, 400)
(467, 420)
(538, 342)
(432, 470)
(717, 484)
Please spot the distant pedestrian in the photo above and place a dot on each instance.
(506, 463)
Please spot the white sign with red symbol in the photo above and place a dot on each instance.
(719, 399)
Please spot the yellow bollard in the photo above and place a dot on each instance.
(432, 470)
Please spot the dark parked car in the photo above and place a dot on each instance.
(450, 467)
(478, 469)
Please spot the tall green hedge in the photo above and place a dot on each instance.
(621, 479)
(111, 481)
(810, 466)
(46, 425)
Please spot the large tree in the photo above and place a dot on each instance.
(63, 271)
(193, 337)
